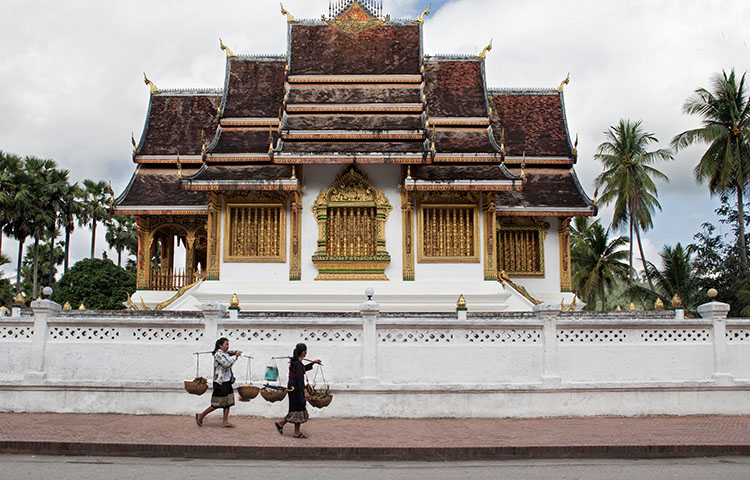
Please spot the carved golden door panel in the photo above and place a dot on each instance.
(351, 217)
(520, 246)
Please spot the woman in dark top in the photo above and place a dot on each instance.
(297, 404)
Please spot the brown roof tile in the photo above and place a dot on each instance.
(352, 147)
(546, 188)
(242, 172)
(455, 88)
(354, 93)
(242, 140)
(446, 173)
(255, 87)
(354, 122)
(534, 123)
(463, 141)
(177, 122)
(387, 49)
(159, 187)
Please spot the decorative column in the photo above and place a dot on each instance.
(490, 233)
(144, 253)
(295, 269)
(717, 313)
(548, 313)
(563, 239)
(190, 255)
(212, 231)
(43, 310)
(407, 230)
(369, 311)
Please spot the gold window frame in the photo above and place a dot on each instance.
(541, 231)
(280, 258)
(423, 258)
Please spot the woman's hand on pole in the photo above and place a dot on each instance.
(318, 362)
(238, 353)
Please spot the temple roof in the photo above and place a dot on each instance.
(178, 121)
(546, 191)
(156, 190)
(241, 177)
(493, 177)
(239, 140)
(455, 87)
(354, 93)
(533, 123)
(254, 87)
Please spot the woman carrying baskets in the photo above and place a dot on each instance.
(297, 392)
(223, 395)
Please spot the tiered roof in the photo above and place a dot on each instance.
(356, 87)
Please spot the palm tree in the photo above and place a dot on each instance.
(122, 234)
(17, 214)
(57, 188)
(71, 209)
(95, 205)
(726, 129)
(10, 166)
(600, 263)
(628, 180)
(678, 275)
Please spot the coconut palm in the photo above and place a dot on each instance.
(17, 214)
(122, 234)
(71, 209)
(677, 276)
(725, 128)
(628, 180)
(10, 165)
(600, 263)
(97, 195)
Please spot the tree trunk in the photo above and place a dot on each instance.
(1, 240)
(93, 236)
(67, 249)
(604, 300)
(36, 267)
(741, 229)
(643, 259)
(51, 279)
(18, 267)
(630, 259)
(119, 257)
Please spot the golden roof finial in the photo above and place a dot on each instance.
(81, 307)
(203, 141)
(294, 173)
(149, 83)
(486, 49)
(502, 140)
(225, 48)
(235, 302)
(284, 11)
(461, 303)
(218, 110)
(658, 304)
(575, 146)
(408, 171)
(270, 141)
(179, 166)
(420, 18)
(563, 83)
(132, 140)
(676, 301)
(523, 166)
(20, 299)
(67, 306)
(432, 140)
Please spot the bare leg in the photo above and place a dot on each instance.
(296, 428)
(226, 423)
(205, 412)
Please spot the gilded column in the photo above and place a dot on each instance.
(563, 239)
(190, 254)
(144, 253)
(212, 230)
(490, 234)
(295, 270)
(407, 211)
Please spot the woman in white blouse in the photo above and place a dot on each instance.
(223, 395)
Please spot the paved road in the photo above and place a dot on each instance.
(115, 468)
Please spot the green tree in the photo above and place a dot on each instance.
(600, 262)
(725, 128)
(96, 203)
(677, 276)
(10, 166)
(42, 266)
(98, 284)
(16, 213)
(628, 181)
(6, 290)
(71, 209)
(122, 234)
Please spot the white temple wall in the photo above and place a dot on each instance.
(406, 365)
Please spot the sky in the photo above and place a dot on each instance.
(71, 75)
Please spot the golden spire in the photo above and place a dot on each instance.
(284, 11)
(486, 49)
(132, 140)
(563, 83)
(225, 48)
(658, 304)
(81, 307)
(575, 146)
(420, 18)
(461, 303)
(149, 83)
(67, 306)
(676, 301)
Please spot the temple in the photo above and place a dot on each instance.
(354, 160)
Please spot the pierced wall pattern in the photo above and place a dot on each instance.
(185, 335)
(738, 335)
(261, 335)
(591, 336)
(688, 335)
(504, 336)
(84, 333)
(415, 336)
(16, 333)
(331, 335)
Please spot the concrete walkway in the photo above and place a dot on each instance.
(376, 439)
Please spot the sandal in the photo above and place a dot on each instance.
(279, 428)
(300, 435)
(198, 420)
(228, 425)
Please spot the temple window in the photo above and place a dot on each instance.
(255, 233)
(351, 231)
(448, 233)
(520, 247)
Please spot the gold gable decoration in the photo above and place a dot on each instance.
(356, 16)
(351, 218)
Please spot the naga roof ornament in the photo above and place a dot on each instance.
(225, 48)
(563, 83)
(486, 49)
(420, 18)
(151, 84)
(289, 16)
(355, 16)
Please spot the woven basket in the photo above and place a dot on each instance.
(248, 392)
(273, 395)
(320, 401)
(195, 388)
